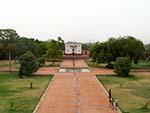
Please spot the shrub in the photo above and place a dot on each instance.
(110, 65)
(41, 61)
(122, 66)
(28, 64)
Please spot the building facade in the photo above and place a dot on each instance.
(73, 48)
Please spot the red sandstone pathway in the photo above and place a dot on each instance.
(69, 64)
(74, 93)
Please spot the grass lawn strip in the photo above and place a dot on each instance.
(16, 95)
(134, 93)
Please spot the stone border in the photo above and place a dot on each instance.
(119, 111)
(42, 97)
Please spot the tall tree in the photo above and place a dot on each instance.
(61, 43)
(54, 51)
(147, 51)
(10, 48)
(1, 45)
(121, 47)
(7, 37)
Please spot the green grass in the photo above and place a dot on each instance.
(142, 64)
(94, 64)
(17, 91)
(5, 63)
(134, 94)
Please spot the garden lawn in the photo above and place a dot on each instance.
(94, 64)
(17, 91)
(5, 63)
(142, 64)
(134, 93)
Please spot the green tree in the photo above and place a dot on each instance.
(134, 48)
(54, 51)
(10, 48)
(28, 64)
(121, 47)
(8, 34)
(147, 51)
(61, 43)
(41, 60)
(23, 44)
(8, 38)
(122, 66)
(1, 45)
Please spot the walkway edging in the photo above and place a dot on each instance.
(119, 111)
(41, 99)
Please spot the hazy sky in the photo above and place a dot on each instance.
(77, 20)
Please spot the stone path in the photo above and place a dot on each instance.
(59, 97)
(74, 93)
(69, 64)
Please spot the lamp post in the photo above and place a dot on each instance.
(73, 59)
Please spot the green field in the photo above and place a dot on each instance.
(18, 92)
(5, 64)
(142, 64)
(94, 64)
(133, 95)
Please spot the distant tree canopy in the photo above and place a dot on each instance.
(61, 43)
(1, 45)
(108, 51)
(86, 46)
(147, 51)
(11, 41)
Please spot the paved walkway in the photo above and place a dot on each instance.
(69, 64)
(74, 93)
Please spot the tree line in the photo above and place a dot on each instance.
(27, 50)
(11, 42)
(108, 51)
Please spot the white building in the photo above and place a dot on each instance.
(73, 47)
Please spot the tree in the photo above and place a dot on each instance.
(61, 43)
(54, 51)
(8, 38)
(23, 44)
(1, 45)
(122, 66)
(121, 47)
(86, 46)
(147, 51)
(8, 34)
(41, 61)
(28, 64)
(10, 48)
(134, 48)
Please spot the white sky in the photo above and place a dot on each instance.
(77, 20)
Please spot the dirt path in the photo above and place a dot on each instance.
(74, 93)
